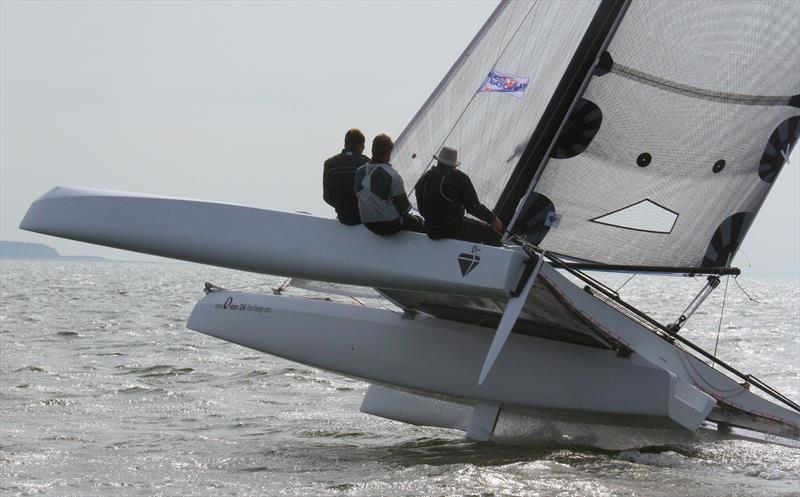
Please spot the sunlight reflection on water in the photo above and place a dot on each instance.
(104, 392)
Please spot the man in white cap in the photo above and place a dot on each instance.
(444, 194)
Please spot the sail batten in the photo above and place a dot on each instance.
(690, 91)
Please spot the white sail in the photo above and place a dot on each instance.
(696, 109)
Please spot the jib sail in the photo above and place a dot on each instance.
(491, 100)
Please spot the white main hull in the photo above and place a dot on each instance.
(273, 242)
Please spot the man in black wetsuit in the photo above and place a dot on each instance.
(444, 194)
(338, 174)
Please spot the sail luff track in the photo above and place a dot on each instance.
(573, 82)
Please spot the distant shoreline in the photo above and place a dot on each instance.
(39, 252)
(85, 258)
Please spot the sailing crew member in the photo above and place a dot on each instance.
(382, 200)
(338, 174)
(444, 194)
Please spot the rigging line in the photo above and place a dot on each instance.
(626, 282)
(746, 258)
(457, 65)
(254, 285)
(276, 291)
(698, 378)
(474, 95)
(721, 313)
(736, 280)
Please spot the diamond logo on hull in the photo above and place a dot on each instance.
(468, 262)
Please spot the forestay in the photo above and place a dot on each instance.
(490, 120)
(681, 132)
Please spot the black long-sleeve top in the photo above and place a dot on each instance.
(444, 194)
(337, 184)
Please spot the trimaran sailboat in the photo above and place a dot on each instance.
(645, 140)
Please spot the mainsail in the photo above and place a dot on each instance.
(670, 137)
(694, 112)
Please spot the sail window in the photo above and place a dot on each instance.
(540, 215)
(604, 65)
(778, 149)
(582, 125)
(644, 215)
(726, 239)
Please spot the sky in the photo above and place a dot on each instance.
(238, 102)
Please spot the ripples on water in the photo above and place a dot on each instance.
(104, 392)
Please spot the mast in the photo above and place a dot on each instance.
(597, 37)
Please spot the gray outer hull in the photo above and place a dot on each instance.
(442, 358)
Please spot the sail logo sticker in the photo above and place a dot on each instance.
(469, 261)
(553, 220)
(501, 82)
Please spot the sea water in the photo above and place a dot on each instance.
(103, 391)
